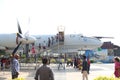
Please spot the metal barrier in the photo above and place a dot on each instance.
(30, 63)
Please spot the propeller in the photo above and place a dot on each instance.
(14, 51)
(18, 35)
(20, 39)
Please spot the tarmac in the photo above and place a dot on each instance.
(69, 73)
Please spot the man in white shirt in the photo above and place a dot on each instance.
(15, 66)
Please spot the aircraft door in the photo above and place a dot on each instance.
(61, 37)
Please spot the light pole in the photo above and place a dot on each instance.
(60, 29)
(60, 38)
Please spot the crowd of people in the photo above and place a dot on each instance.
(77, 63)
(82, 64)
(5, 63)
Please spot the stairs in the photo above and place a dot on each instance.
(61, 48)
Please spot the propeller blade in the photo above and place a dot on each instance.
(19, 29)
(18, 35)
(17, 39)
(14, 51)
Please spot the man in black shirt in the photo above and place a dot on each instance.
(84, 68)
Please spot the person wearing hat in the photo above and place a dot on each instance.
(15, 67)
(44, 72)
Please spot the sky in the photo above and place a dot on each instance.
(87, 17)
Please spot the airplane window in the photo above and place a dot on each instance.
(61, 36)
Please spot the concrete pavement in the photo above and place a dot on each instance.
(69, 73)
